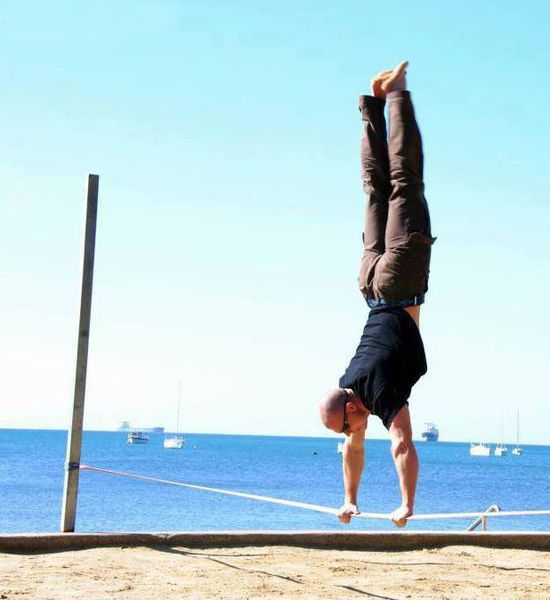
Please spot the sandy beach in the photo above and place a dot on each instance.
(275, 572)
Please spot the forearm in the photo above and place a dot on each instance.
(353, 462)
(406, 465)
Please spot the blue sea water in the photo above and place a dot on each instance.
(294, 468)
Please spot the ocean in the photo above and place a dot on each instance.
(294, 468)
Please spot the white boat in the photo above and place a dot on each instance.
(175, 442)
(501, 450)
(517, 451)
(480, 449)
(137, 437)
(340, 448)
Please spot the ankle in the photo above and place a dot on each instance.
(400, 85)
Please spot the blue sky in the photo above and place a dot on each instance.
(226, 138)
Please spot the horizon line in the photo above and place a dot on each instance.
(313, 437)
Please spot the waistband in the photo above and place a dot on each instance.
(382, 303)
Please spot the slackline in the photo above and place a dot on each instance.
(316, 507)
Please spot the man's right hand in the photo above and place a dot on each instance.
(347, 511)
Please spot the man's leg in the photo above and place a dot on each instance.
(403, 271)
(376, 182)
(406, 464)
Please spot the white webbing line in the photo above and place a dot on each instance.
(316, 507)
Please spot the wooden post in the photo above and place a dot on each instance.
(74, 440)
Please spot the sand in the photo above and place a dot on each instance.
(275, 572)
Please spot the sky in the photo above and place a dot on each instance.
(226, 138)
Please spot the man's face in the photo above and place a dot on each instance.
(352, 419)
(357, 420)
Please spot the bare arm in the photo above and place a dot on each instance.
(352, 465)
(406, 465)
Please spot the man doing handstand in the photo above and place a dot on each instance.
(393, 278)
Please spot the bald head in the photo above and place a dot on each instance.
(331, 408)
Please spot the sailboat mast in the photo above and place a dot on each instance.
(179, 401)
(517, 429)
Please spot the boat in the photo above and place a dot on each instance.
(517, 451)
(175, 442)
(501, 450)
(480, 449)
(126, 426)
(430, 433)
(137, 437)
(340, 447)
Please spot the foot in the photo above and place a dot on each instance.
(397, 79)
(400, 515)
(376, 84)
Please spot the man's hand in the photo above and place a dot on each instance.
(399, 515)
(347, 511)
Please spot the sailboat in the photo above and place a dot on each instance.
(501, 450)
(176, 441)
(517, 451)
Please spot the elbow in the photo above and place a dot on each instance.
(401, 447)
